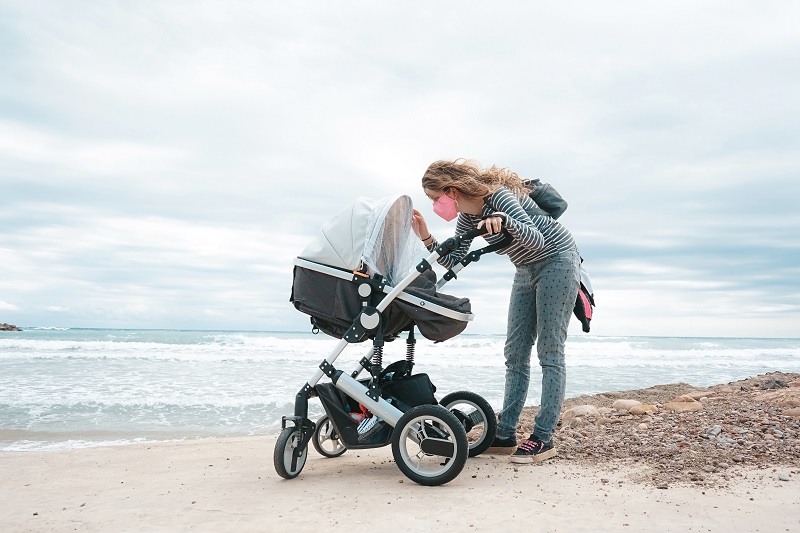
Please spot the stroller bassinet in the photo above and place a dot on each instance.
(372, 237)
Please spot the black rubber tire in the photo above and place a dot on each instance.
(423, 425)
(325, 432)
(287, 442)
(480, 443)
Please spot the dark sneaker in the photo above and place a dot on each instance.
(502, 445)
(533, 451)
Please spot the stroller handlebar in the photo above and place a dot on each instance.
(454, 242)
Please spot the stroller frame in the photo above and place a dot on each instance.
(437, 431)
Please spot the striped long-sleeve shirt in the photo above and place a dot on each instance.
(536, 237)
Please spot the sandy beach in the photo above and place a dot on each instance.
(603, 482)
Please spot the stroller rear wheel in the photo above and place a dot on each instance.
(477, 417)
(326, 440)
(289, 457)
(429, 445)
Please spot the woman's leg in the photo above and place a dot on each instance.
(521, 334)
(556, 291)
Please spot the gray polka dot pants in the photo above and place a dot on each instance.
(542, 299)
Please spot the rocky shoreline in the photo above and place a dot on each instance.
(680, 434)
(8, 327)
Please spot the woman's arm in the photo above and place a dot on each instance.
(517, 222)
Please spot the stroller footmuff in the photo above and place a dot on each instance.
(367, 278)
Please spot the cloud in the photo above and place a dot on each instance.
(162, 164)
(5, 306)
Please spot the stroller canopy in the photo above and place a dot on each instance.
(375, 233)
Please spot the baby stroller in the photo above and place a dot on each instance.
(359, 280)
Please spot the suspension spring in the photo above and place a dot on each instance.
(377, 356)
(411, 343)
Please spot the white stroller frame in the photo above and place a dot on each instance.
(449, 440)
(369, 321)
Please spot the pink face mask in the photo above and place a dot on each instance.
(445, 207)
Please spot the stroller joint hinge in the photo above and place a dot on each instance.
(328, 369)
(423, 266)
(374, 391)
(305, 393)
(449, 275)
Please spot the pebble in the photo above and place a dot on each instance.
(643, 409)
(683, 406)
(580, 410)
(624, 406)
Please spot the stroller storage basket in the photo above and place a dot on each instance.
(410, 391)
(405, 393)
(338, 407)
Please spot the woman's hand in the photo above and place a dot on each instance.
(419, 226)
(493, 224)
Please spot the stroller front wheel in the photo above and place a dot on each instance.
(289, 456)
(429, 445)
(326, 440)
(476, 415)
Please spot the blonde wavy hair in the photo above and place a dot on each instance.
(467, 177)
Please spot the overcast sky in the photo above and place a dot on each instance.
(162, 163)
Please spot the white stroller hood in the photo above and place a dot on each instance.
(373, 232)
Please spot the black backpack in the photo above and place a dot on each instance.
(550, 202)
(546, 198)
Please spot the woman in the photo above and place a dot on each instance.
(542, 296)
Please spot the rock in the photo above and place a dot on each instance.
(684, 407)
(604, 421)
(780, 398)
(773, 384)
(577, 422)
(580, 410)
(714, 430)
(698, 394)
(623, 406)
(795, 412)
(642, 409)
(683, 398)
(8, 327)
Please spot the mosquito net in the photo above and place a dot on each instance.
(375, 233)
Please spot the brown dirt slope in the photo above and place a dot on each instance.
(751, 422)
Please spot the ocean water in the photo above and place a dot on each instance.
(68, 388)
